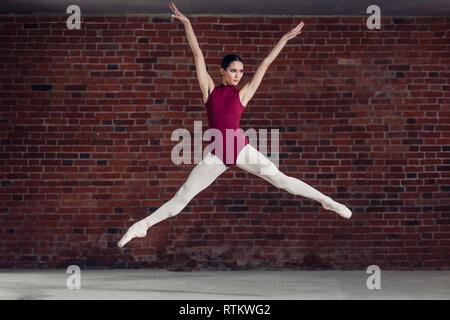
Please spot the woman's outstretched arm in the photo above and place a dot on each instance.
(204, 79)
(250, 88)
(282, 42)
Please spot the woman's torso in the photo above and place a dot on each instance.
(224, 110)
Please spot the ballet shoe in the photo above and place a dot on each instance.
(340, 209)
(138, 229)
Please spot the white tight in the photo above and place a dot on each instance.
(211, 167)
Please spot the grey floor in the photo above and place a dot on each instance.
(213, 285)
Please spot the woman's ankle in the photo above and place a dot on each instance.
(324, 199)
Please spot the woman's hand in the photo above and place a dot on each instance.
(177, 14)
(294, 32)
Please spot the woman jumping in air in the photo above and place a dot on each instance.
(224, 106)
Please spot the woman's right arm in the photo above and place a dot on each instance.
(203, 77)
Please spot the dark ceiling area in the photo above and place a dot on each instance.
(233, 7)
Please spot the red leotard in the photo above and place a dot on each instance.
(224, 110)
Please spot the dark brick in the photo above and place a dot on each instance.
(146, 60)
(403, 20)
(399, 67)
(237, 208)
(412, 141)
(441, 208)
(326, 176)
(30, 258)
(347, 95)
(363, 162)
(162, 20)
(157, 121)
(41, 87)
(342, 236)
(112, 230)
(222, 202)
(30, 25)
(6, 183)
(382, 61)
(155, 142)
(313, 261)
(275, 236)
(75, 87)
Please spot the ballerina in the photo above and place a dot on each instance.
(224, 106)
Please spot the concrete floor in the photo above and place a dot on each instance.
(145, 284)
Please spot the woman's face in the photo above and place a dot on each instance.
(234, 73)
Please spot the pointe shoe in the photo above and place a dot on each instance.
(340, 209)
(138, 229)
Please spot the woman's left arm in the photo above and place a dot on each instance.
(250, 88)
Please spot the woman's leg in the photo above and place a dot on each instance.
(203, 174)
(253, 161)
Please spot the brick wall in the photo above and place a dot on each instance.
(87, 115)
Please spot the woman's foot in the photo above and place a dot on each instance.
(139, 229)
(340, 209)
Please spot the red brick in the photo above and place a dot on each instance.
(363, 111)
